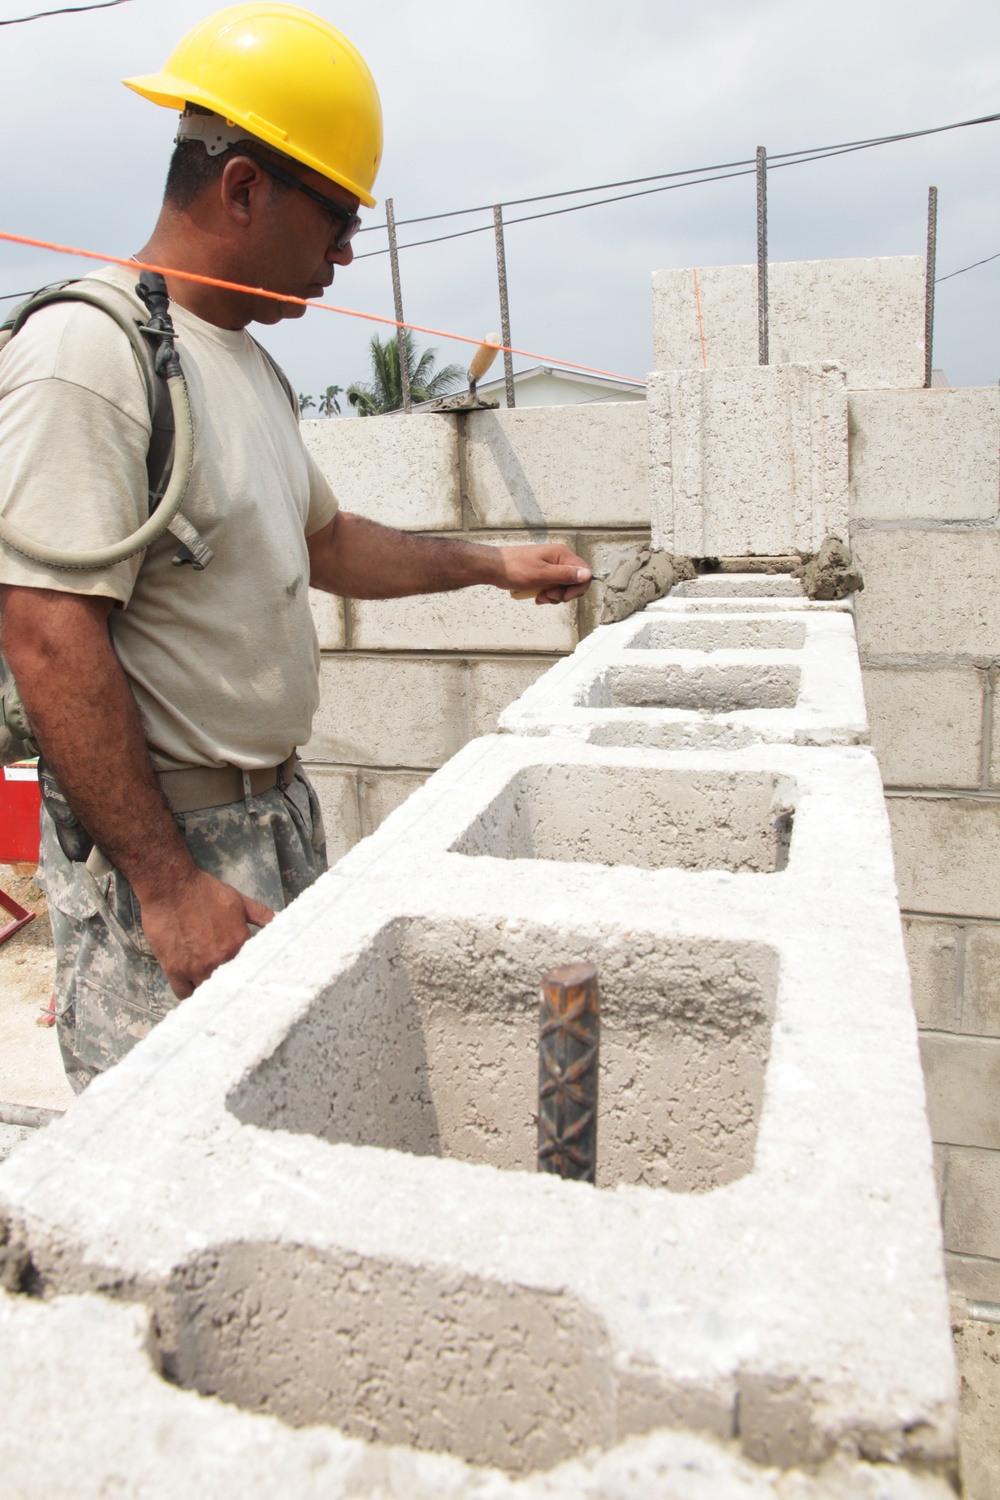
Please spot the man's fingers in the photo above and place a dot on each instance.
(257, 914)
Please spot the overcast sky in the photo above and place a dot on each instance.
(490, 101)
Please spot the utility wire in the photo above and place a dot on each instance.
(963, 269)
(66, 10)
(775, 163)
(810, 153)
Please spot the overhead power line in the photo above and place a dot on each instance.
(963, 269)
(694, 176)
(66, 10)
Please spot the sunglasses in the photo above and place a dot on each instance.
(349, 222)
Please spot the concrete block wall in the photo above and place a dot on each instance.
(925, 512)
(406, 683)
(324, 1210)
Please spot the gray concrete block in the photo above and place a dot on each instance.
(495, 684)
(381, 792)
(980, 1012)
(337, 793)
(474, 619)
(926, 724)
(975, 1277)
(748, 461)
(962, 1075)
(947, 854)
(928, 593)
(932, 952)
(559, 466)
(328, 617)
(402, 471)
(868, 313)
(389, 711)
(925, 455)
(972, 1202)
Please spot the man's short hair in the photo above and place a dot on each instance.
(192, 170)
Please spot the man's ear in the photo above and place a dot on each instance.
(240, 188)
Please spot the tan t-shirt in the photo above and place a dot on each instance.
(224, 664)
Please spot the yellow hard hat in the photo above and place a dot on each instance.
(290, 79)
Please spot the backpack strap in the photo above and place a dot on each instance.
(283, 380)
(130, 315)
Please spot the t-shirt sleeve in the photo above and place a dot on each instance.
(323, 504)
(74, 433)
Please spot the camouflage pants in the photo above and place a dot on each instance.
(110, 990)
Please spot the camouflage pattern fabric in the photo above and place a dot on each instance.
(110, 990)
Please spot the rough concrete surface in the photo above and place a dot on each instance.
(868, 313)
(527, 1320)
(114, 1427)
(637, 683)
(544, 467)
(402, 471)
(925, 455)
(748, 460)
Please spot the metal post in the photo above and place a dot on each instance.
(397, 297)
(568, 1045)
(762, 351)
(508, 358)
(929, 293)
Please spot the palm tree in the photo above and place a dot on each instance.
(328, 403)
(384, 392)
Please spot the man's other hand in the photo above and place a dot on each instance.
(550, 570)
(197, 925)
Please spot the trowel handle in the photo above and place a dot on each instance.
(484, 356)
(525, 593)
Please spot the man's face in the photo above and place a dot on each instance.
(296, 246)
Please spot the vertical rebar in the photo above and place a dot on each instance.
(568, 1047)
(762, 352)
(397, 298)
(929, 294)
(508, 358)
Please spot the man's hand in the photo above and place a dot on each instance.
(550, 570)
(200, 924)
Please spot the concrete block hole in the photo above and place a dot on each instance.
(704, 689)
(429, 1044)
(720, 635)
(642, 816)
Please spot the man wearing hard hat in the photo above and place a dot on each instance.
(168, 688)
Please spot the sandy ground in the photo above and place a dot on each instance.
(31, 1073)
(977, 1347)
(31, 1070)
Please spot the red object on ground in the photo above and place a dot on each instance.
(21, 915)
(20, 801)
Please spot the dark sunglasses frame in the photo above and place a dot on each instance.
(349, 221)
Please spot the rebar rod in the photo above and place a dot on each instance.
(508, 358)
(762, 332)
(568, 1050)
(397, 298)
(929, 293)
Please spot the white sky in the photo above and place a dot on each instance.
(490, 101)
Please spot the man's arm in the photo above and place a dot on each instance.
(85, 721)
(363, 560)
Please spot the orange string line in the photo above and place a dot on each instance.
(701, 326)
(260, 291)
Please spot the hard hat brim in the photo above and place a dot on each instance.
(175, 93)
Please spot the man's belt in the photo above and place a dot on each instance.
(200, 787)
